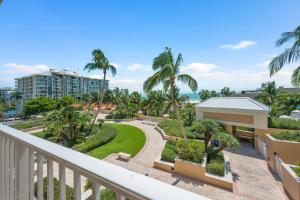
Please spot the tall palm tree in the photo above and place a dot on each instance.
(226, 92)
(100, 62)
(167, 72)
(269, 93)
(289, 56)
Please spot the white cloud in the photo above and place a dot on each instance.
(195, 68)
(241, 45)
(264, 64)
(117, 65)
(13, 68)
(138, 67)
(130, 84)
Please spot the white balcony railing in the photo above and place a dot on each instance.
(18, 151)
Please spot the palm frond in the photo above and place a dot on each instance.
(151, 82)
(112, 69)
(296, 77)
(287, 36)
(288, 56)
(90, 67)
(189, 80)
(166, 85)
(178, 63)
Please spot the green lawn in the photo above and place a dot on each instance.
(28, 124)
(39, 134)
(129, 139)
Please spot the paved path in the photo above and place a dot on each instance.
(252, 176)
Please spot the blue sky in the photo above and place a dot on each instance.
(223, 42)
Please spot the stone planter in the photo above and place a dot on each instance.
(190, 169)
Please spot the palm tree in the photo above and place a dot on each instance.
(289, 56)
(16, 97)
(269, 93)
(167, 72)
(100, 62)
(204, 94)
(226, 92)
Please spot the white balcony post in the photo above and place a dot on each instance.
(77, 186)
(96, 191)
(40, 188)
(6, 169)
(2, 140)
(12, 170)
(22, 164)
(62, 182)
(31, 174)
(50, 179)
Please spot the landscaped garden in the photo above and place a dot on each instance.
(283, 123)
(29, 123)
(215, 140)
(287, 135)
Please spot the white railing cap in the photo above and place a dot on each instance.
(126, 180)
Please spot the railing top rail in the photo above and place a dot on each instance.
(125, 180)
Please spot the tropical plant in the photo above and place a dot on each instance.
(289, 56)
(225, 139)
(206, 94)
(167, 72)
(66, 124)
(100, 62)
(16, 96)
(269, 93)
(207, 127)
(226, 92)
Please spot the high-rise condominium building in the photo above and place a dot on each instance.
(56, 84)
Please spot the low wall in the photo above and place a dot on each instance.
(198, 171)
(288, 151)
(291, 182)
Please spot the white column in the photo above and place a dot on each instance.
(2, 140)
(50, 179)
(62, 182)
(77, 186)
(22, 179)
(96, 191)
(6, 169)
(31, 174)
(12, 170)
(40, 194)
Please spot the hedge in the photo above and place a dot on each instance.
(170, 152)
(284, 123)
(216, 165)
(105, 134)
(287, 135)
(189, 150)
(69, 190)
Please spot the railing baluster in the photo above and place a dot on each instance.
(22, 165)
(31, 174)
(62, 182)
(6, 169)
(12, 170)
(119, 197)
(77, 186)
(50, 179)
(2, 140)
(96, 191)
(40, 177)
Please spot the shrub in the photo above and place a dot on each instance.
(216, 164)
(69, 190)
(106, 133)
(297, 170)
(171, 127)
(193, 151)
(287, 135)
(284, 123)
(170, 152)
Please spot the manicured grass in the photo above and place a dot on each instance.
(28, 124)
(216, 165)
(129, 139)
(287, 135)
(39, 134)
(171, 127)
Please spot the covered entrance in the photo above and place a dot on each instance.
(243, 117)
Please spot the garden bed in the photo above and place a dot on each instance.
(287, 135)
(216, 165)
(284, 123)
(40, 122)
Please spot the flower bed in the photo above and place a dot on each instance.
(216, 165)
(287, 135)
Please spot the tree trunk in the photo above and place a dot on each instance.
(101, 92)
(177, 114)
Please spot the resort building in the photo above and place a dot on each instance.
(5, 94)
(56, 84)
